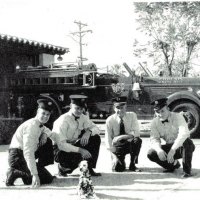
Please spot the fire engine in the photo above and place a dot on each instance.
(28, 72)
(58, 81)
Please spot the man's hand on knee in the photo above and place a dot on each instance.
(42, 139)
(85, 153)
(170, 156)
(162, 155)
(85, 138)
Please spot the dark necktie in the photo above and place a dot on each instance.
(41, 125)
(122, 128)
(164, 121)
(75, 117)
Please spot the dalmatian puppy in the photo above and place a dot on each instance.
(85, 186)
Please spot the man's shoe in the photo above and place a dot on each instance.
(11, 177)
(62, 171)
(134, 168)
(119, 166)
(27, 180)
(64, 174)
(93, 173)
(171, 170)
(186, 175)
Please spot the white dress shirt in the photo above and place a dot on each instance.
(26, 138)
(131, 126)
(175, 131)
(68, 129)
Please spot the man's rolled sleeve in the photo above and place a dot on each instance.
(60, 128)
(135, 129)
(95, 130)
(50, 134)
(64, 146)
(30, 142)
(108, 135)
(155, 137)
(90, 125)
(61, 139)
(183, 132)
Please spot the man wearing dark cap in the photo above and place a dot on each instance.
(29, 143)
(77, 138)
(173, 129)
(122, 136)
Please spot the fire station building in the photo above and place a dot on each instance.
(19, 54)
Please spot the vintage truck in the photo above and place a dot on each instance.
(57, 82)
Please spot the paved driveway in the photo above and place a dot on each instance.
(149, 184)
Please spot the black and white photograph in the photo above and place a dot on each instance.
(99, 99)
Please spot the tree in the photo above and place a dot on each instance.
(172, 32)
(117, 69)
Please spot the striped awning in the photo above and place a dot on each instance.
(40, 46)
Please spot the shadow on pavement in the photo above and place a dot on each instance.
(153, 176)
(105, 196)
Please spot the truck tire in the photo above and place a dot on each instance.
(191, 113)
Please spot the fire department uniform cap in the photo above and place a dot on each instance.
(79, 100)
(119, 101)
(159, 103)
(45, 104)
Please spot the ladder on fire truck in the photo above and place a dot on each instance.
(70, 75)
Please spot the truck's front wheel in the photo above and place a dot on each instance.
(191, 113)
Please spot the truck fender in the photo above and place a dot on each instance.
(186, 95)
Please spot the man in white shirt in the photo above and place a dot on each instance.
(29, 143)
(173, 129)
(122, 136)
(77, 138)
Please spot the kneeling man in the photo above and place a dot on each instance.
(122, 136)
(77, 138)
(173, 129)
(29, 143)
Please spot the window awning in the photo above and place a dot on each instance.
(10, 43)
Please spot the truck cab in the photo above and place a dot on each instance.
(183, 95)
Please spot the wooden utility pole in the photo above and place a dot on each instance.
(80, 34)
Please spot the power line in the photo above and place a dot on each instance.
(81, 33)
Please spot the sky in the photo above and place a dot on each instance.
(52, 21)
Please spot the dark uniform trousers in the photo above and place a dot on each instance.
(131, 147)
(185, 152)
(71, 160)
(19, 167)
